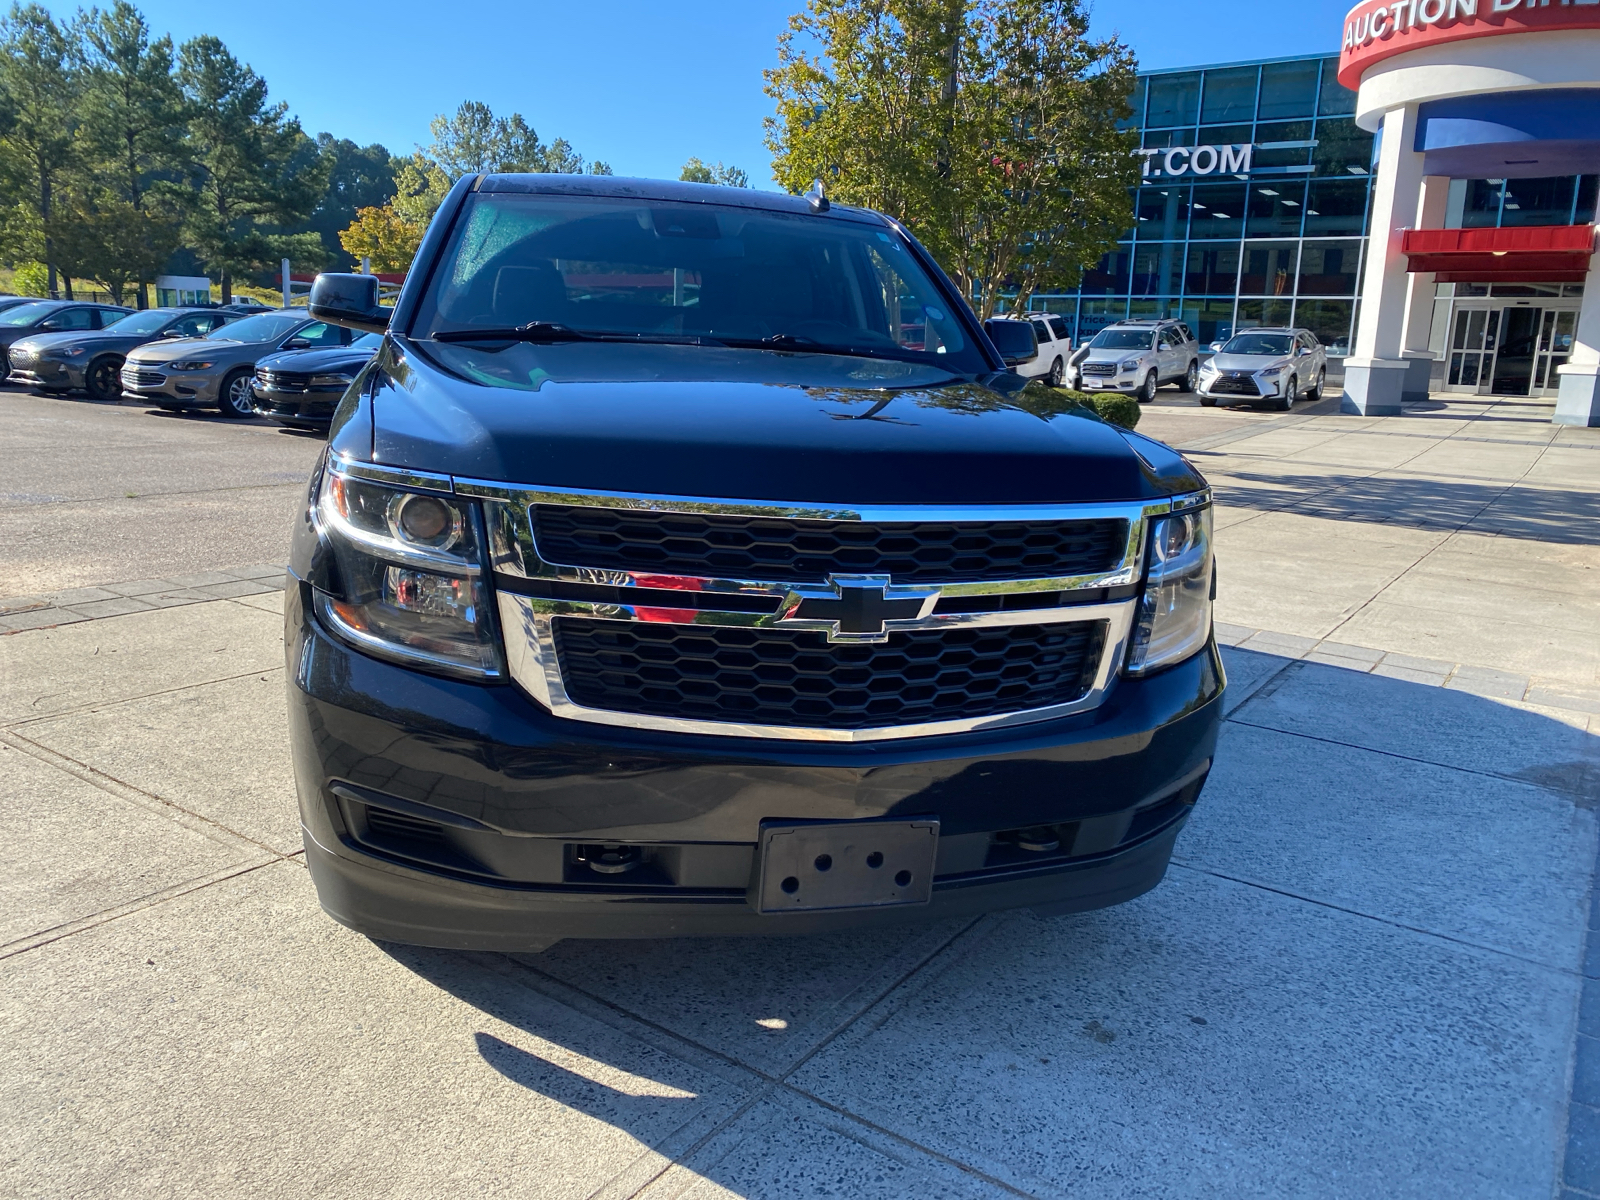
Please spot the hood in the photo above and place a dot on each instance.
(743, 424)
(1105, 354)
(1247, 362)
(89, 339)
(165, 351)
(335, 358)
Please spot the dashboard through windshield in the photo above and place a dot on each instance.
(558, 267)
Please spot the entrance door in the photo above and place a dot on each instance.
(1518, 351)
(1555, 344)
(1472, 344)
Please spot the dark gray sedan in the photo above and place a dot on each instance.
(91, 360)
(216, 371)
(52, 316)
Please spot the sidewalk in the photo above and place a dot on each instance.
(1362, 976)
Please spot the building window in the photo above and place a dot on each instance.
(1343, 148)
(1583, 211)
(1211, 269)
(1288, 89)
(1174, 100)
(1162, 213)
(1268, 268)
(1135, 118)
(1095, 315)
(1335, 98)
(1329, 320)
(1330, 268)
(1277, 207)
(1539, 201)
(1229, 95)
(1157, 269)
(1217, 210)
(1336, 206)
(1265, 312)
(1109, 276)
(1211, 320)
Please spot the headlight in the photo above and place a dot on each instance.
(1208, 368)
(1174, 615)
(1129, 364)
(331, 380)
(67, 352)
(1268, 372)
(190, 364)
(411, 570)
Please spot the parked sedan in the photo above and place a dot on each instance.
(1280, 364)
(216, 371)
(51, 316)
(91, 360)
(301, 388)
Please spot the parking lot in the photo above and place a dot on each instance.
(1367, 972)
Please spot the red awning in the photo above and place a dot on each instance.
(381, 276)
(1527, 254)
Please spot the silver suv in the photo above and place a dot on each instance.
(1138, 357)
(1281, 364)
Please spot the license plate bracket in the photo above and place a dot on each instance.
(815, 866)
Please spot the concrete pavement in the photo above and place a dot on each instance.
(1368, 972)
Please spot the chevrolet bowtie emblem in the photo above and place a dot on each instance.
(856, 608)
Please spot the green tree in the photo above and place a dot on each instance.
(989, 126)
(473, 140)
(132, 148)
(359, 177)
(252, 168)
(40, 88)
(98, 235)
(696, 171)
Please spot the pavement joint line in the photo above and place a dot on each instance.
(1500, 952)
(130, 794)
(97, 705)
(67, 501)
(559, 989)
(1580, 798)
(1564, 1144)
(45, 937)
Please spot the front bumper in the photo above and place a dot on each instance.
(1266, 389)
(295, 407)
(156, 386)
(47, 373)
(511, 793)
(1109, 383)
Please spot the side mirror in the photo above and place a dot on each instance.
(1014, 340)
(1216, 347)
(297, 344)
(349, 300)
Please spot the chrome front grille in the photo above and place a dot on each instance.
(1235, 383)
(133, 377)
(921, 646)
(1099, 368)
(809, 550)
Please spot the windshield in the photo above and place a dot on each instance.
(673, 272)
(1275, 344)
(267, 327)
(367, 341)
(1122, 339)
(150, 321)
(26, 314)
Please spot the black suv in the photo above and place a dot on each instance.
(687, 562)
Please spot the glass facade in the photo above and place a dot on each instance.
(1278, 238)
(1277, 242)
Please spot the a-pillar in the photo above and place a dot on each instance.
(1375, 376)
(1419, 300)
(1578, 400)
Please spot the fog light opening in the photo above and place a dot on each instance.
(1039, 840)
(611, 860)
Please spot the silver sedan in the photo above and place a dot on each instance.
(1279, 364)
(216, 371)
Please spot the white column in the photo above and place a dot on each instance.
(1374, 377)
(1578, 400)
(1419, 299)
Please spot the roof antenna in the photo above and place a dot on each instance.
(816, 197)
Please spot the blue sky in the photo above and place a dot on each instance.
(642, 85)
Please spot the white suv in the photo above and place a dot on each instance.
(1055, 348)
(1138, 357)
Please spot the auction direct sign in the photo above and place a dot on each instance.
(1380, 29)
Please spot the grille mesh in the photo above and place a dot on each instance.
(1235, 385)
(793, 551)
(799, 679)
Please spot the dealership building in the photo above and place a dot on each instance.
(1424, 202)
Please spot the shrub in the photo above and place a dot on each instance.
(1112, 406)
(31, 279)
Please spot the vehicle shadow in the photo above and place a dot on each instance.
(1467, 821)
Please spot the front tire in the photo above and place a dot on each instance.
(1191, 377)
(1287, 402)
(1316, 389)
(1208, 401)
(233, 397)
(1057, 373)
(1147, 392)
(103, 379)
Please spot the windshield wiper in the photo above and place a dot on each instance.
(533, 331)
